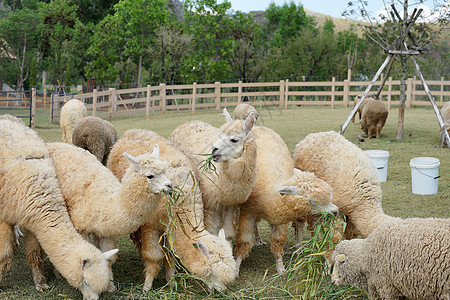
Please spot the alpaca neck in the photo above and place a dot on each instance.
(237, 177)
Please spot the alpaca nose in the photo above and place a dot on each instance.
(335, 213)
(215, 150)
(169, 187)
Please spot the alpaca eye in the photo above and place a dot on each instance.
(234, 140)
(150, 176)
(85, 282)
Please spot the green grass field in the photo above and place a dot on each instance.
(256, 281)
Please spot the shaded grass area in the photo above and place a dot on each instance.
(257, 277)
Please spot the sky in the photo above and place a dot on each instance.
(333, 8)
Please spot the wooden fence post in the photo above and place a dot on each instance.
(413, 98)
(147, 104)
(389, 92)
(33, 108)
(346, 92)
(217, 93)
(281, 102)
(112, 102)
(409, 92)
(162, 97)
(442, 89)
(194, 96)
(286, 93)
(94, 102)
(239, 91)
(333, 91)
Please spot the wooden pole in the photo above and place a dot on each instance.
(366, 92)
(147, 104)
(444, 132)
(33, 108)
(194, 96)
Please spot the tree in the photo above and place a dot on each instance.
(138, 22)
(19, 33)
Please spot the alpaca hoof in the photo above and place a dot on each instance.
(112, 287)
(41, 287)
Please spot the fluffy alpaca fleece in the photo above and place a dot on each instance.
(445, 112)
(98, 203)
(242, 111)
(95, 135)
(72, 112)
(30, 197)
(212, 259)
(373, 117)
(349, 171)
(234, 151)
(401, 259)
(281, 195)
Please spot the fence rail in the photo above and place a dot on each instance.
(21, 104)
(163, 98)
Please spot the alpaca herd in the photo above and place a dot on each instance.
(73, 201)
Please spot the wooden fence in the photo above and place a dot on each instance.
(162, 98)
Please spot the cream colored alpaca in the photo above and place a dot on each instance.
(98, 203)
(212, 259)
(234, 152)
(30, 197)
(72, 112)
(349, 171)
(281, 195)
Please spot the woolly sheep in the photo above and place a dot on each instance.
(373, 117)
(98, 203)
(281, 195)
(402, 259)
(445, 112)
(72, 112)
(350, 172)
(30, 197)
(242, 111)
(213, 259)
(234, 151)
(95, 135)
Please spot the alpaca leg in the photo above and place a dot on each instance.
(106, 244)
(298, 232)
(169, 264)
(151, 254)
(244, 240)
(213, 219)
(278, 240)
(378, 131)
(230, 219)
(7, 251)
(258, 239)
(35, 259)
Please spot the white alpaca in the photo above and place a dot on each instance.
(234, 152)
(281, 195)
(72, 112)
(212, 259)
(30, 197)
(98, 203)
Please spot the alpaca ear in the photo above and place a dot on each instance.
(108, 255)
(85, 263)
(249, 122)
(134, 161)
(288, 189)
(222, 234)
(203, 248)
(227, 115)
(156, 151)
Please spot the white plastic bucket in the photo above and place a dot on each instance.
(379, 160)
(424, 175)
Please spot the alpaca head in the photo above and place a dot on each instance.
(95, 272)
(153, 168)
(219, 254)
(232, 137)
(318, 193)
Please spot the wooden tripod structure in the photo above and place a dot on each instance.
(396, 49)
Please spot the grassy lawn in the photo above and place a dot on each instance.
(421, 138)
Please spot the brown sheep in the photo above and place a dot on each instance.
(373, 117)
